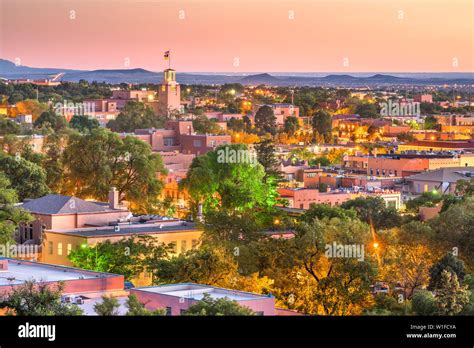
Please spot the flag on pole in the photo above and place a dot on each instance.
(167, 55)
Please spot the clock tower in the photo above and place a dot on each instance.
(169, 94)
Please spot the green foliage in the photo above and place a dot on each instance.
(321, 211)
(9, 127)
(367, 110)
(386, 304)
(128, 256)
(424, 303)
(455, 228)
(27, 178)
(373, 211)
(322, 124)
(97, 161)
(427, 199)
(465, 187)
(266, 157)
(430, 122)
(291, 125)
(265, 120)
(83, 123)
(231, 186)
(49, 119)
(449, 263)
(136, 308)
(135, 115)
(34, 299)
(10, 215)
(108, 307)
(203, 125)
(209, 306)
(451, 297)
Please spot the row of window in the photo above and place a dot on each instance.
(60, 248)
(174, 245)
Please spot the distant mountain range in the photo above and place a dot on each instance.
(9, 70)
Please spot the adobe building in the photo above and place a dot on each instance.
(169, 94)
(55, 211)
(14, 273)
(177, 298)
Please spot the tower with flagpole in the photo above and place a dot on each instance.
(169, 94)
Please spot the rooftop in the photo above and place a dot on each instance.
(59, 204)
(130, 229)
(196, 292)
(20, 271)
(451, 174)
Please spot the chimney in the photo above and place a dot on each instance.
(113, 198)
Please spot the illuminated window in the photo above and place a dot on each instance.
(69, 248)
(60, 248)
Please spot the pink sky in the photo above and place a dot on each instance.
(259, 33)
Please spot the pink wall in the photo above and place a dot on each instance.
(154, 301)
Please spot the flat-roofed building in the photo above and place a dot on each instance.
(177, 298)
(15, 272)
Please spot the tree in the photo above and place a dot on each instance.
(449, 263)
(100, 160)
(203, 125)
(427, 199)
(108, 307)
(231, 185)
(209, 306)
(454, 228)
(465, 187)
(9, 127)
(321, 211)
(49, 119)
(336, 285)
(367, 110)
(27, 178)
(266, 157)
(373, 211)
(53, 162)
(424, 303)
(83, 123)
(430, 122)
(34, 299)
(265, 120)
(135, 115)
(322, 124)
(10, 215)
(451, 297)
(136, 308)
(291, 125)
(128, 256)
(30, 107)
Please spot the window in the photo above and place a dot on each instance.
(194, 243)
(197, 143)
(60, 248)
(183, 246)
(182, 311)
(259, 313)
(69, 248)
(168, 141)
(168, 311)
(50, 248)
